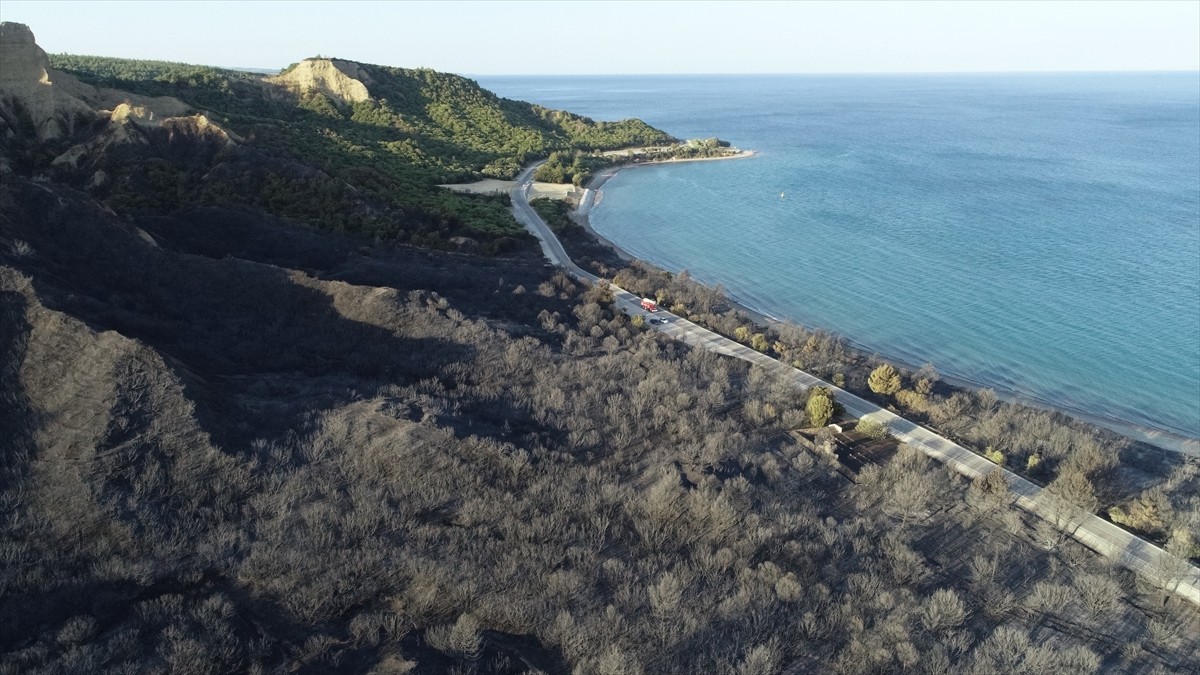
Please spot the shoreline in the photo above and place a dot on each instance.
(1159, 438)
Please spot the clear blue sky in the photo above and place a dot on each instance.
(488, 38)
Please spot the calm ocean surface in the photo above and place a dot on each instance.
(1039, 234)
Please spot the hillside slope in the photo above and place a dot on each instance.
(335, 144)
(231, 444)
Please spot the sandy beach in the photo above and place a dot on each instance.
(602, 177)
(495, 186)
(572, 193)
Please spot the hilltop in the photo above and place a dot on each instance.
(334, 144)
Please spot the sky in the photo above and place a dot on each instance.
(497, 38)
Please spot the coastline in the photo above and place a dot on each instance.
(1159, 438)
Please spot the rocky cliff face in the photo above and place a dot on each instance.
(341, 81)
(31, 100)
(42, 107)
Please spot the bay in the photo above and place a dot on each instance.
(1034, 233)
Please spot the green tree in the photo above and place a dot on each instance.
(759, 342)
(872, 429)
(1148, 513)
(820, 406)
(884, 380)
(1033, 464)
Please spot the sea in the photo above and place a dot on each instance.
(1038, 234)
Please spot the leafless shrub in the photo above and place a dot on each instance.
(906, 565)
(462, 638)
(997, 602)
(392, 664)
(1005, 651)
(567, 635)
(665, 595)
(616, 662)
(77, 630)
(20, 248)
(1164, 632)
(943, 611)
(371, 628)
(1098, 593)
(931, 661)
(1048, 596)
(788, 588)
(185, 654)
(760, 660)
(1076, 660)
(983, 569)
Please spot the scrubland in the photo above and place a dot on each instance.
(236, 445)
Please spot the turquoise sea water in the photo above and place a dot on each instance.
(1039, 234)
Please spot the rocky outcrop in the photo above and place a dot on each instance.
(198, 126)
(30, 100)
(341, 81)
(67, 116)
(130, 125)
(53, 99)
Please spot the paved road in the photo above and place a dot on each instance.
(551, 247)
(1097, 534)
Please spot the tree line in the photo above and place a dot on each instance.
(368, 167)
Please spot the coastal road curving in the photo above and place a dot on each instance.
(551, 246)
(1097, 534)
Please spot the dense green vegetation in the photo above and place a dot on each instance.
(578, 167)
(884, 380)
(368, 167)
(166, 75)
(696, 148)
(819, 407)
(556, 214)
(572, 167)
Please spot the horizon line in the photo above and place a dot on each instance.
(849, 72)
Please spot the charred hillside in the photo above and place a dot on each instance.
(230, 442)
(271, 448)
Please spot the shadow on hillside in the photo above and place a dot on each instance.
(16, 419)
(473, 284)
(236, 332)
(24, 614)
